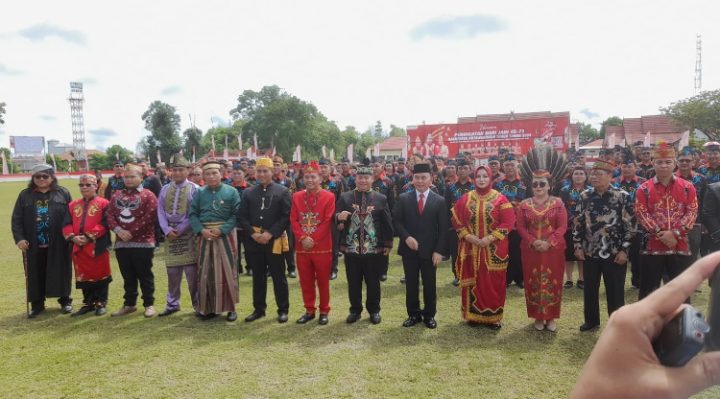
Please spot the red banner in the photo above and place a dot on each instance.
(485, 139)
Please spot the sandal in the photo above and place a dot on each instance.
(568, 284)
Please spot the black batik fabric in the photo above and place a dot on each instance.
(605, 223)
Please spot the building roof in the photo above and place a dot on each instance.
(394, 143)
(513, 116)
(596, 144)
(662, 129)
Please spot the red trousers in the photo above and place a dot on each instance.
(314, 271)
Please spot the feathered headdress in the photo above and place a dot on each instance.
(543, 158)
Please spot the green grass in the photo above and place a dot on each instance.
(56, 356)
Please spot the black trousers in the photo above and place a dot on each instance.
(95, 293)
(367, 268)
(514, 270)
(415, 268)
(452, 244)
(38, 303)
(336, 248)
(384, 264)
(136, 267)
(635, 259)
(290, 255)
(260, 262)
(654, 266)
(614, 277)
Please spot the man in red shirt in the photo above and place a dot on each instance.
(311, 221)
(666, 207)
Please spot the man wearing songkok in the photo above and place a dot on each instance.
(213, 217)
(181, 243)
(602, 234)
(311, 218)
(513, 188)
(264, 216)
(711, 170)
(421, 219)
(666, 207)
(366, 234)
(463, 184)
(132, 215)
(87, 230)
(115, 182)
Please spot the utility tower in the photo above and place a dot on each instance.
(698, 65)
(78, 122)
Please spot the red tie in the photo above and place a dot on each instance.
(421, 203)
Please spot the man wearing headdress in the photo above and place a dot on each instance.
(311, 218)
(39, 215)
(366, 235)
(711, 169)
(264, 217)
(513, 188)
(212, 218)
(666, 207)
(87, 230)
(462, 185)
(645, 168)
(181, 243)
(602, 235)
(132, 215)
(115, 182)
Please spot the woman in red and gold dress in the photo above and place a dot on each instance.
(541, 223)
(483, 218)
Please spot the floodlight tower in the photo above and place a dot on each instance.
(78, 121)
(698, 65)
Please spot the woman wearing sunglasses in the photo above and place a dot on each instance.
(541, 223)
(38, 218)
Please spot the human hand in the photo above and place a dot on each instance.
(172, 235)
(386, 251)
(343, 216)
(23, 245)
(579, 254)
(124, 235)
(307, 243)
(436, 259)
(668, 238)
(621, 258)
(624, 352)
(207, 234)
(412, 243)
(79, 240)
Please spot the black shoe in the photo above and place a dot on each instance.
(254, 316)
(588, 327)
(305, 318)
(402, 280)
(333, 275)
(66, 309)
(520, 285)
(493, 326)
(292, 274)
(568, 284)
(167, 312)
(352, 318)
(411, 321)
(580, 284)
(383, 277)
(375, 318)
(323, 319)
(282, 318)
(99, 311)
(83, 310)
(231, 316)
(456, 281)
(430, 322)
(208, 316)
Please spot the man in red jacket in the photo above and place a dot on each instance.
(311, 221)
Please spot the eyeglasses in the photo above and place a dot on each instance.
(41, 177)
(81, 185)
(684, 160)
(540, 184)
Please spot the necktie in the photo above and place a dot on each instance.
(421, 203)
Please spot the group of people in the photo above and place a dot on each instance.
(643, 208)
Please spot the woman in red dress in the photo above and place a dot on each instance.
(541, 223)
(483, 218)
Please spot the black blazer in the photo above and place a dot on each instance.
(267, 208)
(711, 212)
(429, 229)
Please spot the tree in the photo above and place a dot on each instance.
(2, 112)
(396, 131)
(698, 112)
(588, 133)
(378, 130)
(192, 139)
(62, 165)
(163, 123)
(12, 166)
(100, 162)
(611, 121)
(115, 152)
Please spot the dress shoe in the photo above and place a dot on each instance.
(375, 318)
(123, 311)
(402, 280)
(430, 322)
(65, 309)
(167, 312)
(292, 274)
(83, 310)
(456, 282)
(411, 321)
(539, 325)
(333, 275)
(323, 319)
(35, 313)
(305, 318)
(383, 277)
(551, 326)
(581, 284)
(149, 311)
(352, 318)
(282, 318)
(254, 316)
(231, 316)
(494, 326)
(568, 284)
(101, 310)
(588, 327)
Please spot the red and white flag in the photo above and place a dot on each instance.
(5, 165)
(647, 140)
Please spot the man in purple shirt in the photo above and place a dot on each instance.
(180, 247)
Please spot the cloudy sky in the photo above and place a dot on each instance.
(400, 62)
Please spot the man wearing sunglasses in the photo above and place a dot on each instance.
(115, 182)
(37, 222)
(646, 168)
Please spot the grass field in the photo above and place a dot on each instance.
(55, 356)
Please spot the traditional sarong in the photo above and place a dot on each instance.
(181, 251)
(217, 267)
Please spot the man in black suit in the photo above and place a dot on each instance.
(421, 221)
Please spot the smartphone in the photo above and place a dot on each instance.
(682, 338)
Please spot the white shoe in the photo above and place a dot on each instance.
(551, 326)
(539, 325)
